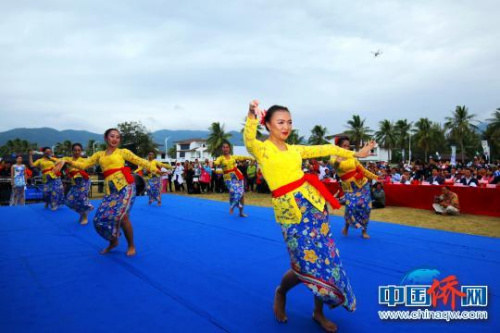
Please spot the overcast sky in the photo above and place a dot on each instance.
(185, 64)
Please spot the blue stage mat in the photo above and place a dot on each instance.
(200, 270)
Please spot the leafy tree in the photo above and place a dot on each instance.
(386, 135)
(137, 138)
(318, 134)
(294, 138)
(459, 127)
(357, 131)
(216, 138)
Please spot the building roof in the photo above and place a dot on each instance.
(190, 140)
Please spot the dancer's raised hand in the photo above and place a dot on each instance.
(254, 111)
(366, 150)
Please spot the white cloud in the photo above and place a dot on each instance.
(172, 65)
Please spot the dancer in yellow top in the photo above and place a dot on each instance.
(299, 206)
(233, 177)
(77, 198)
(153, 180)
(53, 190)
(119, 186)
(356, 186)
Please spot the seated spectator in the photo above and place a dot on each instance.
(447, 203)
(396, 176)
(435, 178)
(469, 179)
(406, 178)
(378, 196)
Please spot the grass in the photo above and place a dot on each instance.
(464, 223)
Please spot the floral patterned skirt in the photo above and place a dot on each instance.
(113, 208)
(315, 258)
(53, 192)
(358, 205)
(153, 189)
(236, 190)
(77, 198)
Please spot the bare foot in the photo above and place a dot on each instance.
(159, 203)
(83, 219)
(345, 230)
(365, 235)
(279, 306)
(324, 322)
(357, 225)
(231, 211)
(131, 251)
(111, 246)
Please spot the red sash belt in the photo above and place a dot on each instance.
(82, 173)
(58, 174)
(312, 180)
(236, 171)
(357, 174)
(125, 170)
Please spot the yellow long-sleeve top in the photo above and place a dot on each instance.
(351, 165)
(156, 164)
(114, 161)
(283, 167)
(44, 164)
(70, 169)
(230, 163)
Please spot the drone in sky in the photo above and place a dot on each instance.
(377, 53)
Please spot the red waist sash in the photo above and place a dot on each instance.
(82, 173)
(357, 174)
(236, 171)
(312, 180)
(125, 170)
(58, 174)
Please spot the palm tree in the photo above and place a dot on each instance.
(423, 135)
(386, 135)
(357, 130)
(460, 126)
(67, 147)
(492, 133)
(402, 129)
(216, 138)
(294, 138)
(89, 150)
(318, 134)
(172, 152)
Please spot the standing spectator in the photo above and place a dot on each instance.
(18, 182)
(206, 177)
(251, 174)
(378, 196)
(179, 177)
(447, 203)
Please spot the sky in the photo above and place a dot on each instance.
(88, 65)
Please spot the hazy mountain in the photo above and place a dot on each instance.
(49, 137)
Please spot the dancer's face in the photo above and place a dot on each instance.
(346, 145)
(151, 156)
(113, 139)
(280, 125)
(77, 151)
(226, 149)
(47, 152)
(19, 160)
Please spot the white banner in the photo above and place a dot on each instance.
(486, 148)
(453, 160)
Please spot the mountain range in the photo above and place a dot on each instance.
(49, 137)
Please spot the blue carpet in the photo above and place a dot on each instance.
(200, 270)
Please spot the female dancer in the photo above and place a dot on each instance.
(18, 182)
(356, 186)
(53, 190)
(299, 202)
(77, 198)
(114, 209)
(233, 177)
(153, 181)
